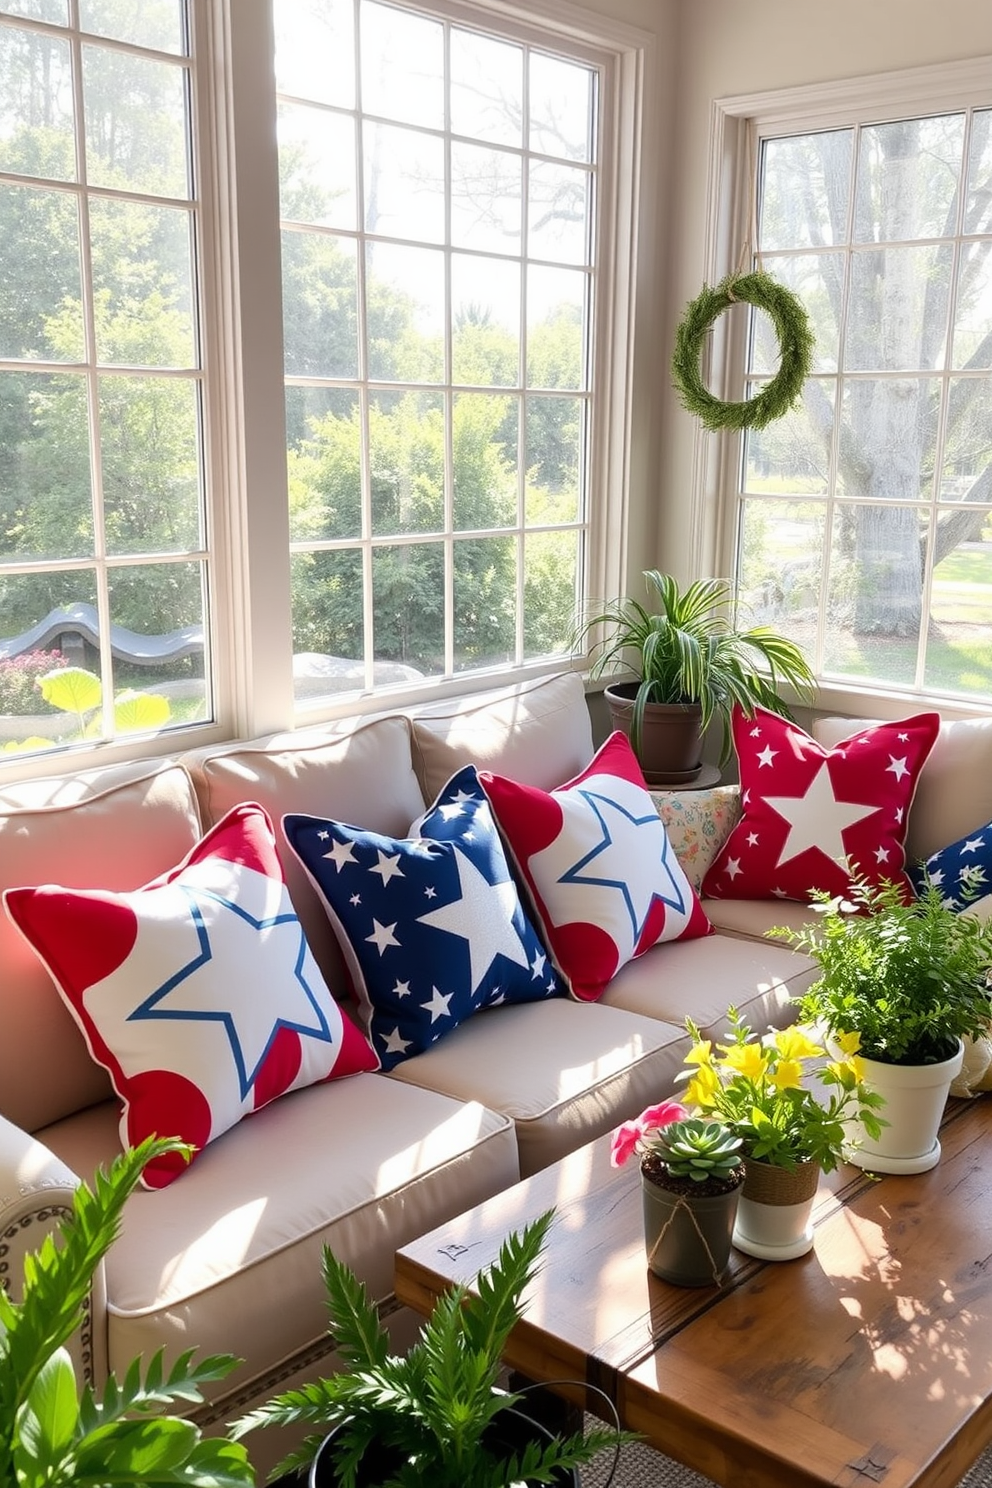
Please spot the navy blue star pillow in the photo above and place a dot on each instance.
(431, 925)
(962, 872)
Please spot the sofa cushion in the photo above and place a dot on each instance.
(813, 817)
(954, 794)
(752, 919)
(538, 731)
(562, 1071)
(115, 829)
(600, 871)
(360, 773)
(198, 991)
(431, 925)
(229, 1259)
(698, 823)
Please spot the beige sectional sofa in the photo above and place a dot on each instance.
(227, 1256)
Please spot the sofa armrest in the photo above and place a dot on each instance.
(36, 1190)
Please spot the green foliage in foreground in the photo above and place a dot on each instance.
(49, 1434)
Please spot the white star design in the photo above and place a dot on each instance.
(401, 989)
(766, 756)
(430, 892)
(746, 798)
(394, 1043)
(341, 853)
(817, 819)
(881, 855)
(482, 916)
(903, 738)
(755, 733)
(355, 900)
(899, 816)
(388, 866)
(323, 836)
(454, 808)
(733, 868)
(438, 1005)
(752, 839)
(780, 894)
(897, 767)
(973, 844)
(937, 878)
(537, 966)
(382, 936)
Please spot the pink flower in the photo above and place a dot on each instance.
(626, 1139)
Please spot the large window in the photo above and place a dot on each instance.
(103, 562)
(439, 201)
(864, 523)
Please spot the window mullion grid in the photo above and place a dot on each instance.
(448, 493)
(522, 400)
(365, 463)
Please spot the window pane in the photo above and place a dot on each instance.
(959, 639)
(555, 328)
(909, 174)
(317, 167)
(558, 220)
(142, 280)
(973, 309)
(49, 624)
(805, 189)
(315, 50)
(791, 455)
(406, 458)
(887, 438)
(818, 281)
(485, 333)
(135, 122)
(967, 474)
(56, 11)
(157, 622)
(319, 305)
(324, 463)
(45, 491)
(554, 458)
(150, 462)
(41, 312)
(978, 212)
(404, 183)
(36, 131)
(485, 199)
(408, 606)
(781, 566)
(155, 23)
(561, 108)
(405, 310)
(484, 457)
(897, 321)
(551, 592)
(402, 66)
(486, 88)
(328, 639)
(875, 592)
(485, 594)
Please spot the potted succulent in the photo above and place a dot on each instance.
(792, 1108)
(51, 1435)
(691, 1175)
(902, 982)
(691, 664)
(434, 1416)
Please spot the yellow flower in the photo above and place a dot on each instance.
(792, 1043)
(848, 1072)
(748, 1060)
(848, 1043)
(787, 1075)
(700, 1053)
(703, 1088)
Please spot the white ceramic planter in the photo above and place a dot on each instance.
(915, 1096)
(769, 1227)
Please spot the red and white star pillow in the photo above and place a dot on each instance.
(814, 817)
(198, 991)
(603, 879)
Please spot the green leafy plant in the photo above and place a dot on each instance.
(49, 1433)
(909, 979)
(687, 649)
(671, 1142)
(75, 690)
(759, 1089)
(432, 1406)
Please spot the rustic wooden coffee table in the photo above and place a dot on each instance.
(868, 1361)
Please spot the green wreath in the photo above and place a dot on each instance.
(795, 337)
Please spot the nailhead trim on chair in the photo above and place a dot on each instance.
(15, 1231)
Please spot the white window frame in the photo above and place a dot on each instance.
(738, 124)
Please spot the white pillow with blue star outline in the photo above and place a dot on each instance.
(962, 872)
(197, 992)
(431, 925)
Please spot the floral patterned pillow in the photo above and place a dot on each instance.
(698, 823)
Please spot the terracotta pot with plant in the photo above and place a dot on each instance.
(691, 1175)
(791, 1107)
(690, 665)
(902, 983)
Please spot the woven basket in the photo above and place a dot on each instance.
(766, 1184)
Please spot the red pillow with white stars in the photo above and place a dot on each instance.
(814, 818)
(198, 991)
(603, 879)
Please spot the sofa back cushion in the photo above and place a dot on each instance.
(113, 829)
(538, 733)
(954, 792)
(359, 774)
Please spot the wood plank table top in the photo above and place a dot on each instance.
(868, 1361)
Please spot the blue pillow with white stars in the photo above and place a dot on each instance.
(962, 872)
(431, 925)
